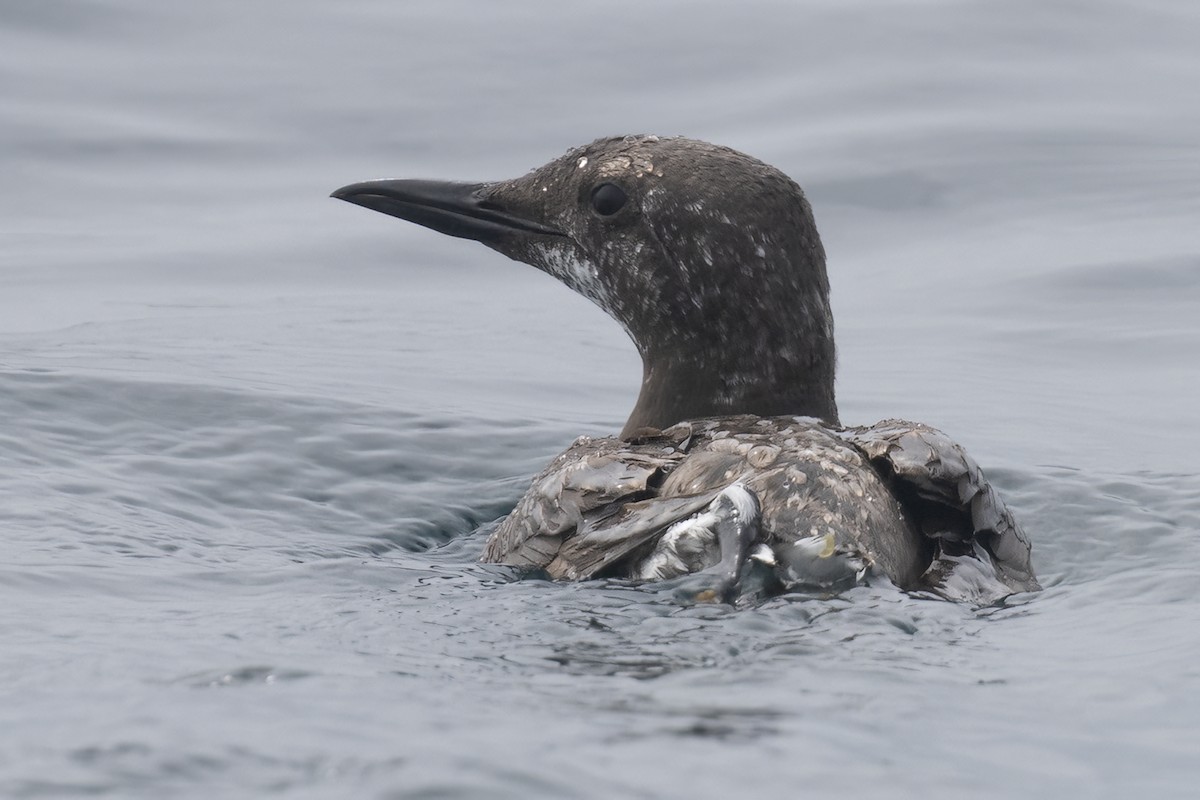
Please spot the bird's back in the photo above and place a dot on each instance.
(896, 498)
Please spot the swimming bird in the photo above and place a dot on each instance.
(733, 473)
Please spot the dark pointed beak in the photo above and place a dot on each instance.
(455, 209)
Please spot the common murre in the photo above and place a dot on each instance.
(734, 460)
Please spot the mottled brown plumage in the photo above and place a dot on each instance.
(733, 459)
(597, 506)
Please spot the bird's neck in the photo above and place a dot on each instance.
(756, 374)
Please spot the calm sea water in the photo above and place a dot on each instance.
(251, 439)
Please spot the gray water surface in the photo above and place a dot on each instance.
(252, 440)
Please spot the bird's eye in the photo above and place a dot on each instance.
(608, 199)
